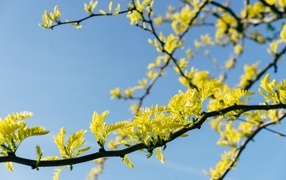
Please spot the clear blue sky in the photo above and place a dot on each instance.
(63, 75)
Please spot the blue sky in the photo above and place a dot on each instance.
(63, 75)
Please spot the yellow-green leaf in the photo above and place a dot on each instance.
(59, 140)
(127, 162)
(25, 132)
(9, 166)
(74, 144)
(97, 127)
(110, 6)
(159, 155)
(101, 11)
(39, 152)
(57, 172)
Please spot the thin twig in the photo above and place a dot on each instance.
(270, 65)
(275, 132)
(59, 23)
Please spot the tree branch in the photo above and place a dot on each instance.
(243, 145)
(152, 30)
(86, 18)
(270, 65)
(226, 9)
(120, 153)
(181, 37)
(273, 8)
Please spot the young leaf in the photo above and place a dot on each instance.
(75, 140)
(82, 150)
(51, 158)
(57, 13)
(19, 116)
(117, 9)
(159, 155)
(39, 153)
(59, 140)
(110, 6)
(90, 7)
(127, 161)
(57, 172)
(14, 131)
(113, 127)
(25, 132)
(98, 126)
(101, 11)
(9, 166)
(74, 143)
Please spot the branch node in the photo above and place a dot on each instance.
(35, 165)
(101, 150)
